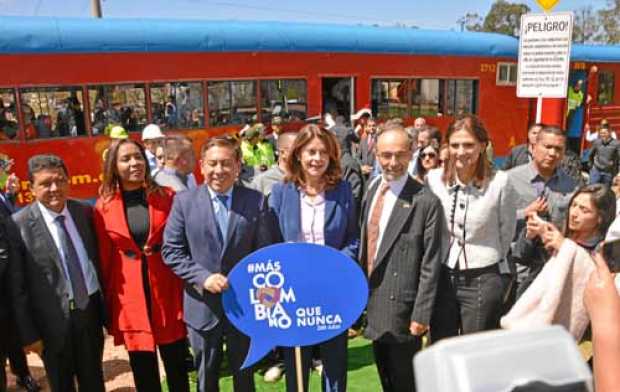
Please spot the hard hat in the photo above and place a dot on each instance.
(151, 132)
(118, 132)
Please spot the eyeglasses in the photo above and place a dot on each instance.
(425, 155)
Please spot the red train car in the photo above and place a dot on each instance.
(63, 81)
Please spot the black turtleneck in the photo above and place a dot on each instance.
(137, 213)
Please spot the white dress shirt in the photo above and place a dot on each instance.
(389, 201)
(312, 218)
(88, 270)
(481, 222)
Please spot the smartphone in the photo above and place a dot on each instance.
(611, 253)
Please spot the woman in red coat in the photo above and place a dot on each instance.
(144, 298)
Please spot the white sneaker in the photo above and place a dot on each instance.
(274, 373)
(317, 365)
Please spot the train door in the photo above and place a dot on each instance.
(575, 118)
(337, 95)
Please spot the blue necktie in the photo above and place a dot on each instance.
(78, 284)
(222, 217)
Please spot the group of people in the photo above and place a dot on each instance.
(448, 244)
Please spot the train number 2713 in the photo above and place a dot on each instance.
(487, 67)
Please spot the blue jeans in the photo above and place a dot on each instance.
(600, 177)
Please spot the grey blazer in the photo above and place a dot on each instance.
(39, 288)
(404, 279)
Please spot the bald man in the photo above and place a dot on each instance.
(401, 251)
(265, 181)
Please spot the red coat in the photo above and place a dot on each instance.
(121, 269)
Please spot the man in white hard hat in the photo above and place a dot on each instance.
(152, 136)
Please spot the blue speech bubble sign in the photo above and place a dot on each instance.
(293, 294)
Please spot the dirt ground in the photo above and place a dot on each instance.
(116, 370)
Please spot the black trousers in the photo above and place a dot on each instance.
(208, 352)
(467, 301)
(11, 349)
(82, 354)
(145, 367)
(395, 364)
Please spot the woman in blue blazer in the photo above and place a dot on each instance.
(315, 205)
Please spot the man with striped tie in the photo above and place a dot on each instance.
(401, 252)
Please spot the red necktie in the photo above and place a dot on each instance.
(372, 228)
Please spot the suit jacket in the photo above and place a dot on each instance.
(8, 206)
(193, 250)
(6, 209)
(38, 285)
(121, 268)
(404, 279)
(367, 156)
(163, 177)
(340, 230)
(5, 303)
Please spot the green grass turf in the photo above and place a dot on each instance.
(362, 375)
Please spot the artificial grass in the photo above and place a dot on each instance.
(362, 374)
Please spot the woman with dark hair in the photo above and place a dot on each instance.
(314, 205)
(144, 298)
(591, 211)
(428, 159)
(479, 208)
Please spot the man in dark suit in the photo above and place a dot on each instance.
(367, 150)
(55, 287)
(402, 228)
(522, 154)
(209, 230)
(10, 348)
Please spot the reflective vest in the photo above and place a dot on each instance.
(260, 154)
(575, 98)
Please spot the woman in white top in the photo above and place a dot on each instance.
(314, 205)
(479, 207)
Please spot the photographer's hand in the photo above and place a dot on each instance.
(602, 302)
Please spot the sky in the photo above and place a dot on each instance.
(427, 14)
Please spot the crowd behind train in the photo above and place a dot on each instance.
(449, 242)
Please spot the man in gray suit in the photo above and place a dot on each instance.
(401, 252)
(55, 289)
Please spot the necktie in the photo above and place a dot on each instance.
(78, 284)
(372, 228)
(222, 217)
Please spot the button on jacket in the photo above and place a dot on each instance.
(480, 221)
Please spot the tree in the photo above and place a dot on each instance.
(609, 20)
(470, 22)
(586, 25)
(505, 18)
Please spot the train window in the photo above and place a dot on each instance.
(424, 95)
(232, 102)
(461, 96)
(389, 98)
(506, 74)
(284, 98)
(8, 115)
(52, 112)
(605, 88)
(177, 105)
(123, 105)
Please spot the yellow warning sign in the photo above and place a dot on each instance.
(547, 5)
